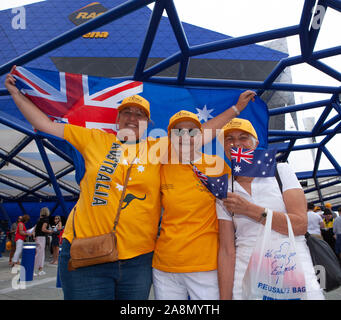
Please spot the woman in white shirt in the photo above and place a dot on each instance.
(251, 198)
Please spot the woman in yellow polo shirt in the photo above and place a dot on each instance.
(185, 256)
(107, 159)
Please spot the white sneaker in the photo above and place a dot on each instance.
(41, 273)
(34, 274)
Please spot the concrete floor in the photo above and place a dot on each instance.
(44, 287)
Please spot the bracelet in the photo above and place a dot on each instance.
(236, 110)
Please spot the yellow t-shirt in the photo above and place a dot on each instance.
(106, 162)
(188, 240)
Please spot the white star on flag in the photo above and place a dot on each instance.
(119, 187)
(140, 168)
(125, 162)
(204, 114)
(237, 168)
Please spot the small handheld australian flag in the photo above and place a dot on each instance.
(253, 163)
(216, 185)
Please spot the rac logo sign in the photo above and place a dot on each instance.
(87, 13)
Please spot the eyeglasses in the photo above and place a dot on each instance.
(181, 132)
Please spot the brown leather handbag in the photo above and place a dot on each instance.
(99, 249)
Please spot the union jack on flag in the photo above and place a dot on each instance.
(202, 177)
(240, 154)
(216, 185)
(258, 163)
(75, 98)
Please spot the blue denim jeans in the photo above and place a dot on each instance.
(129, 279)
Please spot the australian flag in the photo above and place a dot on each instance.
(216, 185)
(253, 163)
(92, 102)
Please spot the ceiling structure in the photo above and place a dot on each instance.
(150, 47)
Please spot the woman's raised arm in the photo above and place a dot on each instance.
(30, 111)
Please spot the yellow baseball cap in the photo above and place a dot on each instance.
(240, 124)
(328, 205)
(317, 208)
(136, 101)
(183, 115)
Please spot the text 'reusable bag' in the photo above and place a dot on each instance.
(274, 271)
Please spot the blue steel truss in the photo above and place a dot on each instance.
(283, 140)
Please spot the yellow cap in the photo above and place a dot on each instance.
(183, 115)
(240, 124)
(317, 208)
(135, 101)
(328, 205)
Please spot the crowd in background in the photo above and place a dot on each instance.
(46, 233)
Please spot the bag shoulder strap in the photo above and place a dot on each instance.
(122, 196)
(278, 178)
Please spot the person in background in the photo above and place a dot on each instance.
(315, 222)
(328, 205)
(327, 231)
(56, 229)
(318, 210)
(12, 238)
(20, 236)
(337, 234)
(40, 232)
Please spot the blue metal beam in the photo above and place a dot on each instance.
(101, 20)
(325, 69)
(21, 187)
(306, 17)
(243, 40)
(47, 182)
(149, 38)
(274, 138)
(318, 189)
(162, 65)
(274, 74)
(298, 148)
(335, 4)
(285, 133)
(321, 120)
(330, 123)
(52, 176)
(242, 84)
(322, 186)
(320, 174)
(317, 162)
(23, 143)
(314, 32)
(177, 27)
(332, 159)
(16, 124)
(182, 70)
(336, 130)
(299, 107)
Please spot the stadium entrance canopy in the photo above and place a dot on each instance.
(128, 40)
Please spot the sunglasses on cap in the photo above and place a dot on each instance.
(181, 132)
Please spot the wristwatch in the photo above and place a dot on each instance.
(264, 214)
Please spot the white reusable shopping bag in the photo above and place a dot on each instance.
(274, 271)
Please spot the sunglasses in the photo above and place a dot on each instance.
(181, 132)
